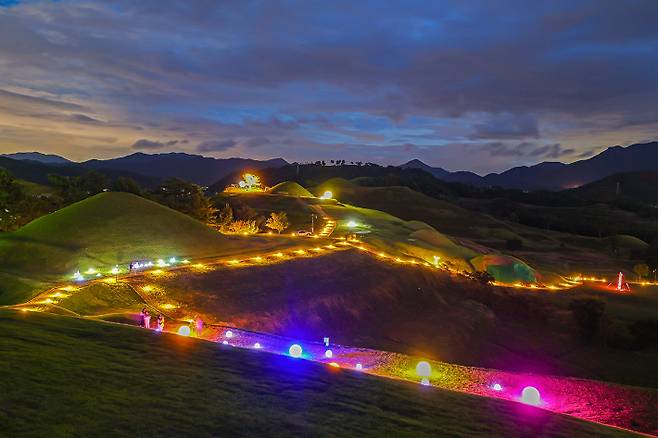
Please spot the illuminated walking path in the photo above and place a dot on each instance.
(626, 407)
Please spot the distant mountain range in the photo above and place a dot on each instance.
(555, 175)
(38, 156)
(195, 168)
(146, 169)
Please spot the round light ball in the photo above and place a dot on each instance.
(295, 350)
(328, 354)
(257, 345)
(423, 369)
(530, 396)
(497, 387)
(184, 330)
(228, 334)
(359, 366)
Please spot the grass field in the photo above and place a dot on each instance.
(101, 232)
(544, 250)
(87, 378)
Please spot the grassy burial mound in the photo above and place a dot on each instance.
(290, 188)
(100, 232)
(125, 381)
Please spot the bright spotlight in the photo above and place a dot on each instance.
(497, 387)
(327, 195)
(423, 369)
(228, 334)
(530, 396)
(184, 330)
(352, 224)
(359, 366)
(425, 381)
(295, 350)
(257, 346)
(328, 354)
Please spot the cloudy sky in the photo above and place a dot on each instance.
(475, 85)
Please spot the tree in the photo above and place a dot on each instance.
(187, 198)
(127, 185)
(77, 188)
(225, 216)
(641, 269)
(277, 221)
(243, 227)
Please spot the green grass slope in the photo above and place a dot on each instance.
(65, 376)
(290, 188)
(101, 231)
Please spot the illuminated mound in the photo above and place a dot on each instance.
(624, 241)
(101, 231)
(290, 188)
(505, 268)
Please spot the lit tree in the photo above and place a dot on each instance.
(251, 182)
(277, 221)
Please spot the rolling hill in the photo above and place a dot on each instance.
(290, 188)
(103, 231)
(633, 186)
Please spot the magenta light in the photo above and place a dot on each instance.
(530, 396)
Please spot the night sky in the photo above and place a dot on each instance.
(474, 85)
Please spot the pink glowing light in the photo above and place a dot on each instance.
(530, 396)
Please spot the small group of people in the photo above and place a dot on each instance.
(145, 320)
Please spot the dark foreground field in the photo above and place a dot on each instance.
(64, 376)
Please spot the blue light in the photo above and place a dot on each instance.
(295, 350)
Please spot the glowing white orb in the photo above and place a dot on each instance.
(497, 387)
(327, 195)
(228, 334)
(295, 350)
(530, 396)
(359, 366)
(351, 224)
(423, 369)
(184, 330)
(172, 260)
(425, 381)
(257, 345)
(328, 354)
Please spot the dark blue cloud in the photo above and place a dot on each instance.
(370, 79)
